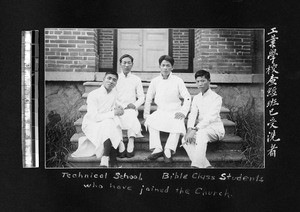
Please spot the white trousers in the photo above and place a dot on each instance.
(155, 142)
(197, 151)
(130, 122)
(130, 133)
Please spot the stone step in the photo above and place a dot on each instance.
(84, 96)
(229, 142)
(192, 87)
(224, 113)
(230, 126)
(218, 159)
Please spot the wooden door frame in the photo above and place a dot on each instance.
(190, 68)
(115, 51)
(170, 50)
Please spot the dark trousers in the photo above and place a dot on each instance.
(110, 151)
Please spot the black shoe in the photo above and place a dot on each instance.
(168, 160)
(154, 156)
(115, 165)
(129, 154)
(121, 154)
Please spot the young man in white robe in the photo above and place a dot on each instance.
(166, 90)
(130, 97)
(209, 127)
(101, 123)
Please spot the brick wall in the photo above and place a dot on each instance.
(181, 48)
(106, 47)
(216, 50)
(224, 50)
(71, 50)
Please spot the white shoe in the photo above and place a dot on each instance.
(130, 145)
(104, 161)
(168, 153)
(121, 147)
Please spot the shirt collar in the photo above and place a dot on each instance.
(207, 92)
(103, 90)
(170, 75)
(123, 75)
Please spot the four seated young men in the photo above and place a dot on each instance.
(113, 108)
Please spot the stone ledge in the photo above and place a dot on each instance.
(187, 77)
(69, 76)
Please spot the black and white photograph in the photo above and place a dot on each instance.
(149, 116)
(149, 105)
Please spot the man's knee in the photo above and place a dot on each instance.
(153, 131)
(202, 136)
(129, 114)
(109, 124)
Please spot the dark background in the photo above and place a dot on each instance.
(45, 190)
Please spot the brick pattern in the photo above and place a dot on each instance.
(216, 50)
(181, 48)
(106, 47)
(224, 50)
(73, 50)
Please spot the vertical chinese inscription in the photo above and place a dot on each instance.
(271, 83)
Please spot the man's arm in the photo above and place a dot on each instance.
(140, 94)
(193, 114)
(149, 98)
(186, 96)
(190, 135)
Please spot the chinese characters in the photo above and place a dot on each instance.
(271, 83)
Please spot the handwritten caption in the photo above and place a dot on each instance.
(272, 103)
(135, 182)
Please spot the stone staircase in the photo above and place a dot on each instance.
(224, 153)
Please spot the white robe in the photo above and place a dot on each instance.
(207, 107)
(166, 94)
(99, 124)
(210, 126)
(130, 90)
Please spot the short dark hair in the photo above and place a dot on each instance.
(202, 73)
(126, 55)
(113, 73)
(167, 58)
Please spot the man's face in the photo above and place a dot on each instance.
(202, 83)
(165, 68)
(110, 81)
(126, 65)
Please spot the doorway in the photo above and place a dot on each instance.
(145, 46)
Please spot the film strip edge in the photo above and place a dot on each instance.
(30, 68)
